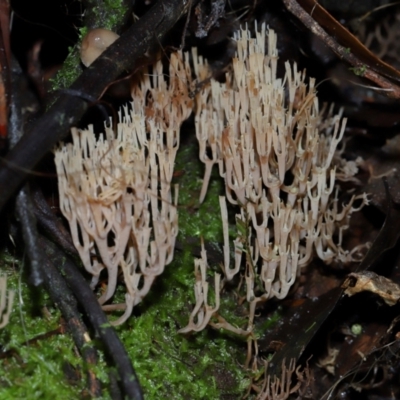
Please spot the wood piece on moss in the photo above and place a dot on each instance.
(369, 281)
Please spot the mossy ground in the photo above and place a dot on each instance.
(205, 365)
(35, 370)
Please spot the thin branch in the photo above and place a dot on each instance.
(42, 270)
(368, 65)
(24, 209)
(54, 227)
(113, 346)
(97, 14)
(61, 295)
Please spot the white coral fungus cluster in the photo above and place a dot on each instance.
(115, 189)
(277, 152)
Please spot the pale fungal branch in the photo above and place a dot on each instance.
(115, 190)
(383, 38)
(280, 388)
(203, 311)
(224, 324)
(277, 152)
(229, 272)
(6, 302)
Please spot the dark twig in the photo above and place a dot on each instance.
(85, 296)
(113, 346)
(97, 14)
(61, 295)
(42, 270)
(27, 223)
(24, 207)
(122, 56)
(357, 55)
(53, 226)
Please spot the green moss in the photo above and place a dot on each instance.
(204, 365)
(71, 68)
(36, 370)
(197, 220)
(69, 72)
(110, 14)
(359, 71)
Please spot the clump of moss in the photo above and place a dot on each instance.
(39, 362)
(109, 13)
(70, 70)
(204, 365)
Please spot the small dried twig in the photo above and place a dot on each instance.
(361, 60)
(24, 207)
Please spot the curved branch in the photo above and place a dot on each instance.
(112, 344)
(61, 295)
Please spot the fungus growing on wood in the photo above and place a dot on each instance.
(115, 190)
(94, 43)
